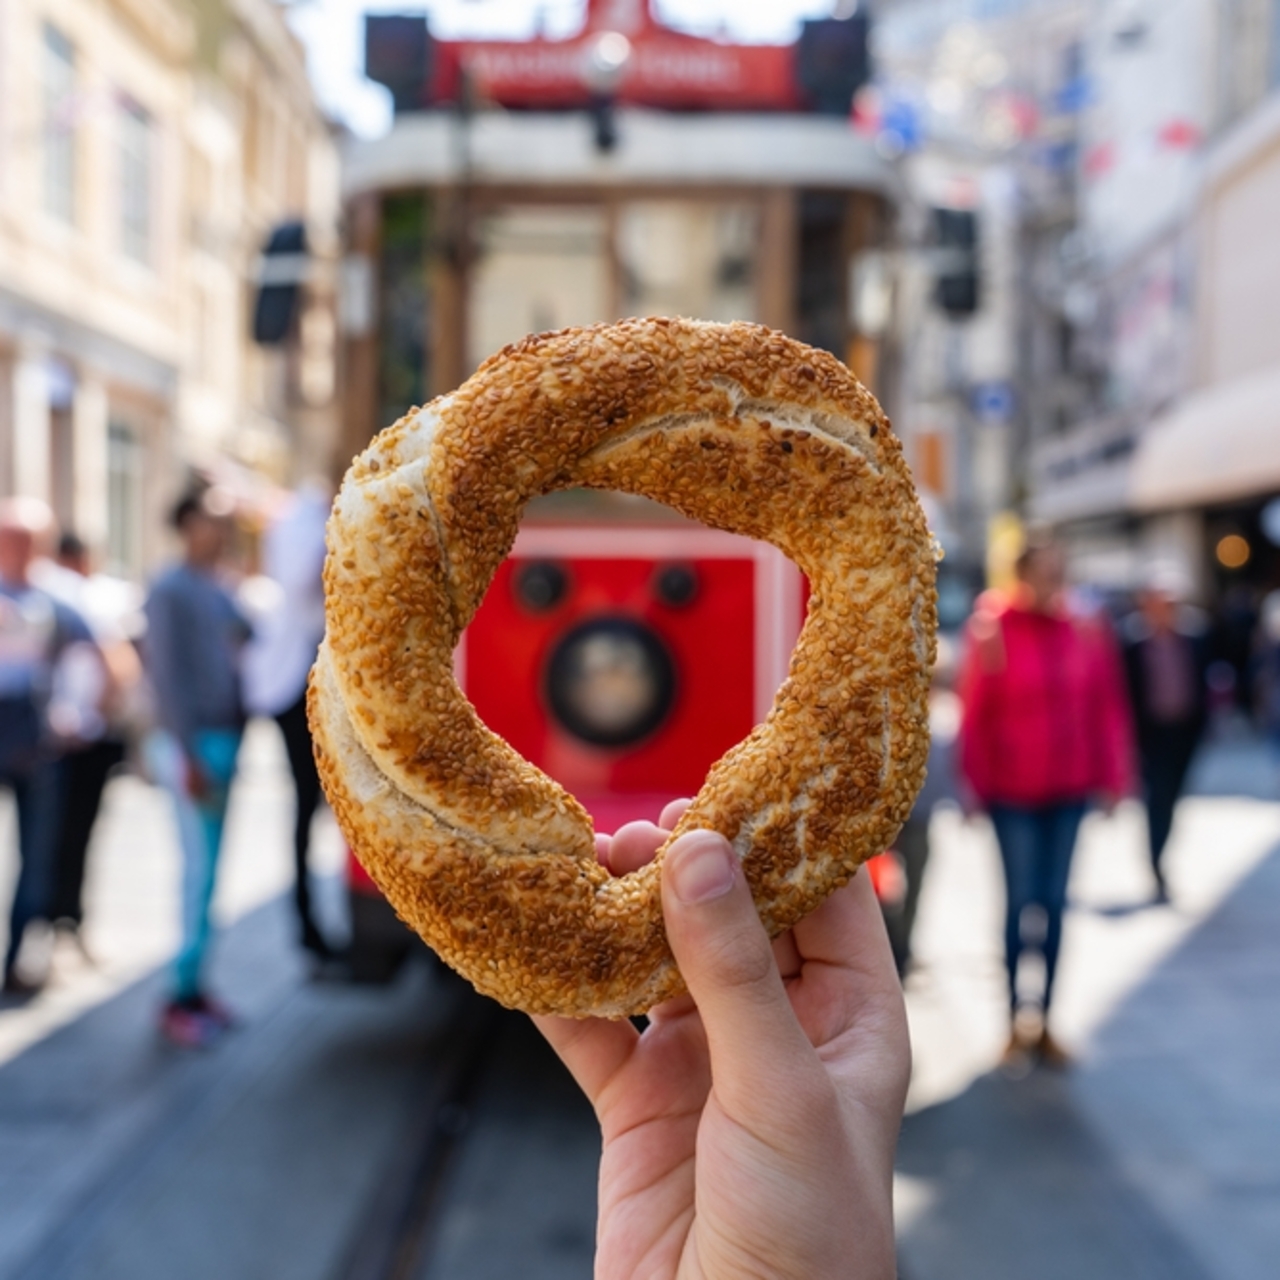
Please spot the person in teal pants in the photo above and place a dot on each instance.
(195, 633)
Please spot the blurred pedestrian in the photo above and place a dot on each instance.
(1044, 729)
(277, 663)
(35, 630)
(911, 848)
(1166, 657)
(94, 695)
(195, 634)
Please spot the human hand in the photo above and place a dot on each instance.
(750, 1129)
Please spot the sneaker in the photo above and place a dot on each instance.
(1051, 1053)
(187, 1028)
(1016, 1060)
(214, 1010)
(70, 931)
(19, 987)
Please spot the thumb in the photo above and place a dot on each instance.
(727, 963)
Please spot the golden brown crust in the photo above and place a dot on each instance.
(735, 425)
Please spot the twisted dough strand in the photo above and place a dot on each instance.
(734, 425)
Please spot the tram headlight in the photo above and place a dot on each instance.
(676, 585)
(540, 585)
(610, 681)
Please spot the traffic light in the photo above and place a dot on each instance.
(280, 277)
(956, 288)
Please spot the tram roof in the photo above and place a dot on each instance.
(654, 148)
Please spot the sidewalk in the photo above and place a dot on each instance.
(1159, 1154)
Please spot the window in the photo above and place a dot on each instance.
(60, 384)
(135, 181)
(406, 340)
(688, 258)
(124, 502)
(204, 332)
(59, 73)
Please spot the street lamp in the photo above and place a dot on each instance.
(605, 64)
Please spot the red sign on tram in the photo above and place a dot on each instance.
(622, 53)
(657, 67)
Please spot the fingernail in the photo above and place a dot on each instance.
(702, 867)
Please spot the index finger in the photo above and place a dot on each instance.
(847, 974)
(594, 1049)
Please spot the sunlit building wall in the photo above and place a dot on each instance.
(146, 149)
(995, 91)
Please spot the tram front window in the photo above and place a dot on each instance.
(546, 266)
(689, 258)
(539, 267)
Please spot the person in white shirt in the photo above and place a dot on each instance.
(95, 691)
(36, 632)
(276, 664)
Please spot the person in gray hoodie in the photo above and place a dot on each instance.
(195, 632)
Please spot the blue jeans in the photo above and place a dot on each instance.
(36, 796)
(1036, 847)
(200, 825)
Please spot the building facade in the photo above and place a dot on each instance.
(1120, 157)
(983, 97)
(1174, 443)
(147, 148)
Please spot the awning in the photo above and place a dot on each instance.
(1219, 444)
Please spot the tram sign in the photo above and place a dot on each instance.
(665, 68)
(659, 67)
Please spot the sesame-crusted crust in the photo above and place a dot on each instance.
(735, 425)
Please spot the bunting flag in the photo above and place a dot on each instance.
(1179, 134)
(1100, 159)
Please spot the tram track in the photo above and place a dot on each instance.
(395, 1237)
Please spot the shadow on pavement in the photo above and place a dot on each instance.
(1019, 1186)
(1117, 910)
(122, 1157)
(1159, 1156)
(268, 1156)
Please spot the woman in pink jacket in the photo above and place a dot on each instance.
(1045, 730)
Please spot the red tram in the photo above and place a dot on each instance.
(621, 648)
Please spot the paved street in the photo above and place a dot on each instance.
(295, 1148)
(1159, 1155)
(285, 1152)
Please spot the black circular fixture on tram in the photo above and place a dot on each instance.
(540, 585)
(675, 585)
(610, 681)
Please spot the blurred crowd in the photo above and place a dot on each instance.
(97, 675)
(1047, 702)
